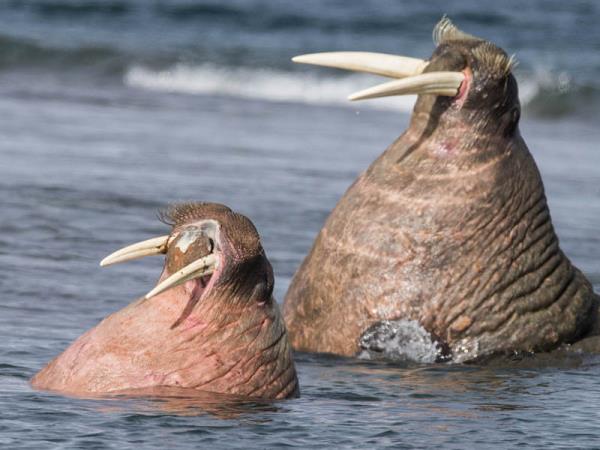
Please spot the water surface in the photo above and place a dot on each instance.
(112, 110)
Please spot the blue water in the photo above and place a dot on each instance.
(112, 109)
(243, 47)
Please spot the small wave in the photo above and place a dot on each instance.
(553, 95)
(542, 93)
(58, 8)
(200, 11)
(263, 84)
(17, 53)
(539, 82)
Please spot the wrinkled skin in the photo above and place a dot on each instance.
(221, 333)
(448, 227)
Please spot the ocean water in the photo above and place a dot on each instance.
(112, 109)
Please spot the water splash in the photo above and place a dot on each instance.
(399, 340)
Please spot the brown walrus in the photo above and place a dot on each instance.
(448, 229)
(210, 324)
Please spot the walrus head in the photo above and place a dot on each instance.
(211, 250)
(210, 324)
(467, 83)
(486, 100)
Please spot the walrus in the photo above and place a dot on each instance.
(210, 324)
(448, 229)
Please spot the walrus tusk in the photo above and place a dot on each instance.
(149, 247)
(199, 268)
(384, 64)
(438, 83)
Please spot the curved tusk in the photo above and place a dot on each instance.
(438, 83)
(149, 247)
(384, 64)
(199, 268)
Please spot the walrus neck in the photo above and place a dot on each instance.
(248, 338)
(432, 113)
(491, 240)
(514, 272)
(450, 148)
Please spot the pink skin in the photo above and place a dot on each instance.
(463, 89)
(190, 336)
(449, 147)
(137, 347)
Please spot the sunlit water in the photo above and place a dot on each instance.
(85, 164)
(80, 178)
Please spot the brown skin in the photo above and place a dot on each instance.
(222, 333)
(448, 227)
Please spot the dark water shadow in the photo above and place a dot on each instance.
(503, 383)
(173, 401)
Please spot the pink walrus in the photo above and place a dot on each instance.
(210, 324)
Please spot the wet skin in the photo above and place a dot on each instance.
(221, 332)
(450, 228)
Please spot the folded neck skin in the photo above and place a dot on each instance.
(210, 323)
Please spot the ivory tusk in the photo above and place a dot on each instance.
(438, 83)
(149, 247)
(384, 64)
(196, 269)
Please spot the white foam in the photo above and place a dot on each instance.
(300, 86)
(399, 340)
(532, 84)
(264, 84)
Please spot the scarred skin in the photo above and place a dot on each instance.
(221, 334)
(448, 227)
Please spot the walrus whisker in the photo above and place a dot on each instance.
(445, 31)
(392, 66)
(199, 268)
(438, 83)
(149, 247)
(496, 59)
